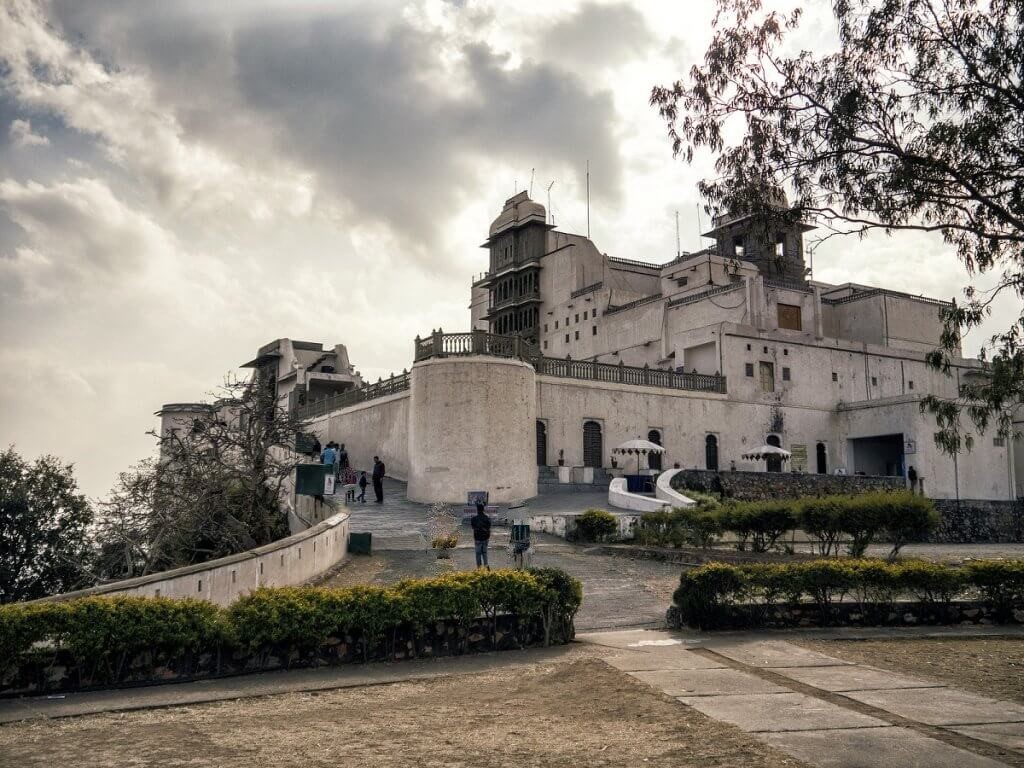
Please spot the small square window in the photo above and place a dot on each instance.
(577, 317)
(682, 281)
(874, 381)
(567, 338)
(545, 343)
(835, 376)
(577, 335)
(999, 442)
(910, 384)
(749, 370)
(785, 351)
(593, 330)
(785, 374)
(766, 350)
(748, 347)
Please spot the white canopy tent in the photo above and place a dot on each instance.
(638, 447)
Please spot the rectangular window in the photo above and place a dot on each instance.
(748, 347)
(785, 374)
(577, 317)
(780, 246)
(577, 335)
(767, 371)
(789, 317)
(595, 312)
(545, 327)
(910, 384)
(682, 281)
(874, 381)
(785, 351)
(999, 442)
(749, 369)
(545, 343)
(835, 376)
(556, 325)
(593, 330)
(567, 338)
(584, 315)
(737, 247)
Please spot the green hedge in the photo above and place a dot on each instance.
(896, 516)
(707, 597)
(596, 525)
(103, 633)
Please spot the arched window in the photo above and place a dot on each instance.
(654, 459)
(542, 444)
(711, 452)
(822, 460)
(774, 463)
(592, 449)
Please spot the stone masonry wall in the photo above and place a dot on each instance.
(759, 486)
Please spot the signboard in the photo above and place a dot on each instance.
(798, 461)
(310, 479)
(329, 484)
(909, 447)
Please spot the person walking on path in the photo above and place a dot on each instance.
(342, 457)
(481, 524)
(362, 487)
(912, 477)
(378, 479)
(329, 455)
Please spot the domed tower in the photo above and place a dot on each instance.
(517, 240)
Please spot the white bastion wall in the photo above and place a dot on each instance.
(472, 426)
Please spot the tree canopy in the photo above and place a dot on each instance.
(44, 522)
(914, 122)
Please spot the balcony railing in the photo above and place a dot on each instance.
(588, 289)
(511, 301)
(382, 388)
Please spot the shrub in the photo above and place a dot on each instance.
(596, 525)
(759, 523)
(706, 596)
(819, 517)
(696, 526)
(908, 517)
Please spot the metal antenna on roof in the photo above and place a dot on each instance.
(679, 251)
(533, 172)
(551, 213)
(699, 225)
(588, 199)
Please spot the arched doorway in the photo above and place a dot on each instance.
(654, 459)
(774, 462)
(711, 452)
(822, 460)
(542, 444)
(592, 448)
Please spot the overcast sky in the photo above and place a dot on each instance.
(181, 182)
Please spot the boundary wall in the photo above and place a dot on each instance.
(287, 562)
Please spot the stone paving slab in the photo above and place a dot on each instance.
(1008, 735)
(774, 654)
(890, 747)
(776, 712)
(633, 639)
(853, 678)
(706, 682)
(941, 706)
(662, 659)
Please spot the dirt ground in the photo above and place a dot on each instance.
(566, 713)
(993, 667)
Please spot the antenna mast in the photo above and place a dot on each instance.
(551, 213)
(532, 172)
(588, 199)
(699, 225)
(679, 251)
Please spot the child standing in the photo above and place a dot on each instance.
(362, 487)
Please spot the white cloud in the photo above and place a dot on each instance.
(21, 135)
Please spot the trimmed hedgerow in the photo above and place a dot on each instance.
(101, 635)
(709, 597)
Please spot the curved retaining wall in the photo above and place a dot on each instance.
(283, 563)
(472, 426)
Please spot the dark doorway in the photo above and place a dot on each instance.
(774, 462)
(592, 449)
(711, 452)
(880, 455)
(822, 460)
(542, 444)
(654, 459)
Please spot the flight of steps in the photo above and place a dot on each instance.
(547, 482)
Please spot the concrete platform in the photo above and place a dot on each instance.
(1008, 735)
(664, 659)
(777, 712)
(941, 706)
(853, 678)
(774, 654)
(644, 640)
(890, 747)
(706, 682)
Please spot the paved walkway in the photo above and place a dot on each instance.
(820, 709)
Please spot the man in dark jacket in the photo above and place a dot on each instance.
(481, 535)
(378, 479)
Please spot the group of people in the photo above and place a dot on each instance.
(336, 456)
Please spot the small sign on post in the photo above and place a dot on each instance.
(329, 484)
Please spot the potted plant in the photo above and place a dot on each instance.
(443, 530)
(561, 457)
(444, 543)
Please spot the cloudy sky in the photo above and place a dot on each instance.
(183, 182)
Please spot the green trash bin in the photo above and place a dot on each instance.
(359, 543)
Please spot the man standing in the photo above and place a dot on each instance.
(342, 458)
(378, 479)
(912, 477)
(481, 524)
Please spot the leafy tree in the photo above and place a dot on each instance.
(44, 522)
(914, 122)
